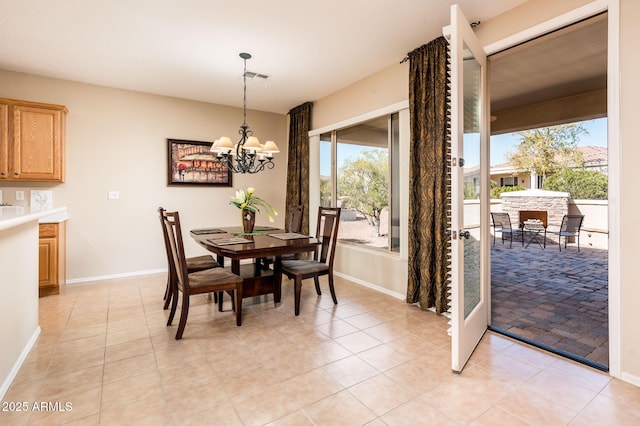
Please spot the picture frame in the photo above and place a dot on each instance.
(192, 163)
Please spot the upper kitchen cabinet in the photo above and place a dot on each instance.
(32, 141)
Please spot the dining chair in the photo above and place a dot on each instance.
(570, 227)
(295, 215)
(208, 281)
(322, 264)
(502, 223)
(194, 264)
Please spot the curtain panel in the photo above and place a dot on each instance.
(429, 177)
(298, 161)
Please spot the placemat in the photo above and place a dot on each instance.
(228, 241)
(289, 236)
(208, 231)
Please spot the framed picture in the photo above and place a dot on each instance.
(191, 163)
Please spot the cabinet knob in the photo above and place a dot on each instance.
(16, 173)
(2, 173)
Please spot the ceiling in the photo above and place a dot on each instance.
(189, 49)
(567, 62)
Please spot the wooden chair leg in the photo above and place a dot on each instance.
(316, 281)
(167, 294)
(183, 317)
(297, 291)
(174, 306)
(220, 300)
(233, 303)
(238, 305)
(332, 289)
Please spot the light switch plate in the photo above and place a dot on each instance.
(114, 195)
(19, 195)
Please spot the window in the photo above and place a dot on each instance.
(509, 181)
(359, 169)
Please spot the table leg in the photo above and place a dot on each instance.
(277, 280)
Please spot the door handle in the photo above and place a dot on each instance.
(464, 234)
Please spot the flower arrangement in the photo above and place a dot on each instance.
(246, 200)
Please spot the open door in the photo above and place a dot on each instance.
(470, 296)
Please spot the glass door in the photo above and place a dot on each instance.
(470, 302)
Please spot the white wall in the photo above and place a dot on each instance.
(116, 140)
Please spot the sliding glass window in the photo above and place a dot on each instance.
(358, 172)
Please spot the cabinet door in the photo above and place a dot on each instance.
(37, 152)
(48, 261)
(4, 141)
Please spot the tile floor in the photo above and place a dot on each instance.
(372, 359)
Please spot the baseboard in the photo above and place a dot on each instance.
(114, 276)
(371, 286)
(16, 367)
(630, 378)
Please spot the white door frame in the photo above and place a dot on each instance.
(613, 120)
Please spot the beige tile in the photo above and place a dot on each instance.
(327, 352)
(127, 335)
(383, 357)
(247, 381)
(125, 391)
(421, 374)
(622, 391)
(265, 405)
(56, 386)
(506, 367)
(150, 411)
(182, 375)
(560, 390)
(608, 411)
(128, 367)
(381, 394)
(81, 345)
(349, 371)
(75, 405)
(458, 403)
(222, 414)
(341, 408)
(311, 386)
(417, 408)
(297, 418)
(580, 374)
(71, 361)
(536, 410)
(358, 342)
(530, 355)
(195, 397)
(336, 329)
(128, 349)
(364, 321)
(495, 416)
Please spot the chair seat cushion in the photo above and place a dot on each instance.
(304, 266)
(200, 263)
(213, 277)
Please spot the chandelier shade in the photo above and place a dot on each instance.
(248, 155)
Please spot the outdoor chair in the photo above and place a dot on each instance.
(502, 224)
(570, 227)
(327, 234)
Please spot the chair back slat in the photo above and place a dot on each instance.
(501, 220)
(171, 222)
(294, 223)
(571, 223)
(327, 233)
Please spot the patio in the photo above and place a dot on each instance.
(555, 298)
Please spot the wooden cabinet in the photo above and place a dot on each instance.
(52, 257)
(32, 141)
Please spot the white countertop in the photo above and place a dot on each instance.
(11, 216)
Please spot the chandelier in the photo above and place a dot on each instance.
(248, 155)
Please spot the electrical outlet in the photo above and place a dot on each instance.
(19, 195)
(114, 195)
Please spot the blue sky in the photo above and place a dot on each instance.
(501, 144)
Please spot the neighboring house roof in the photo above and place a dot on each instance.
(590, 155)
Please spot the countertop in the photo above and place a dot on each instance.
(11, 216)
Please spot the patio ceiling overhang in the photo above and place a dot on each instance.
(557, 78)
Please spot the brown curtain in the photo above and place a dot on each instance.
(428, 177)
(298, 169)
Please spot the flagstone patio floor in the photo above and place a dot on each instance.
(559, 299)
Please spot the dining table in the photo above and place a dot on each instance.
(264, 242)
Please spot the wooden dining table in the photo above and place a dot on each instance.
(264, 242)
